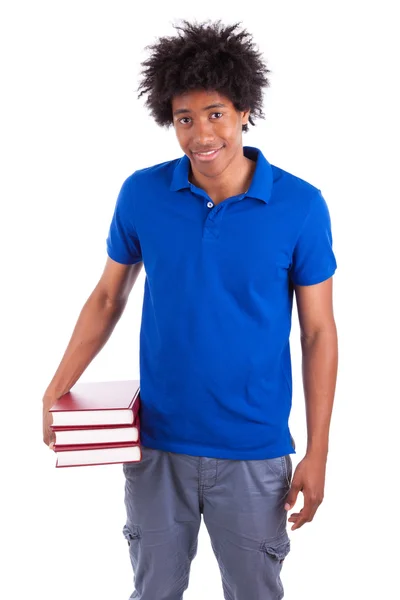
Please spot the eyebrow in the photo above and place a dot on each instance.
(181, 111)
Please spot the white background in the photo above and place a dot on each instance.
(72, 130)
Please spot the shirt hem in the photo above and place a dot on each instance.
(212, 452)
(124, 260)
(316, 279)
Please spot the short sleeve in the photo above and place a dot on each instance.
(123, 244)
(313, 258)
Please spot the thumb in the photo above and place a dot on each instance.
(52, 439)
(292, 497)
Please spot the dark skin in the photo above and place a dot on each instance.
(229, 174)
(320, 362)
(206, 120)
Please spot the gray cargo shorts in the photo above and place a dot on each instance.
(242, 503)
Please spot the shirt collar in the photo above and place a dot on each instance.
(261, 183)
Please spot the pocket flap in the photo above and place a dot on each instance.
(278, 547)
(131, 532)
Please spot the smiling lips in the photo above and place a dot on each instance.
(208, 155)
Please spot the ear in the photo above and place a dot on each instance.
(245, 116)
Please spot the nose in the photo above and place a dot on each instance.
(203, 134)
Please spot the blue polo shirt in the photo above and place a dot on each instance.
(215, 366)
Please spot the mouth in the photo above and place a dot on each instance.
(207, 155)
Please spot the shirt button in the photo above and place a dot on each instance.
(210, 204)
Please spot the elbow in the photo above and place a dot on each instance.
(326, 331)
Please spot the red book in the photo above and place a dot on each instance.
(97, 454)
(98, 434)
(98, 403)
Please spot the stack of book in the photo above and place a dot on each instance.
(97, 423)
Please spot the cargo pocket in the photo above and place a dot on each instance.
(131, 533)
(278, 548)
(275, 551)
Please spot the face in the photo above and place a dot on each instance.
(209, 129)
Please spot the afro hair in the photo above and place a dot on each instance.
(207, 56)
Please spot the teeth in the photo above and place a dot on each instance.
(207, 153)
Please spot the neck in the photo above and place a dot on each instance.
(234, 180)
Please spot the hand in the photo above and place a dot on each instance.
(49, 437)
(309, 478)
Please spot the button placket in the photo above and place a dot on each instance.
(212, 213)
(213, 221)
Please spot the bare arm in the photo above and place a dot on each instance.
(320, 362)
(97, 319)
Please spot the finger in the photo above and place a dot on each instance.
(314, 510)
(304, 513)
(52, 440)
(308, 504)
(311, 504)
(291, 498)
(299, 523)
(305, 516)
(294, 518)
(51, 434)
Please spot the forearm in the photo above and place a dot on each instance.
(319, 364)
(93, 328)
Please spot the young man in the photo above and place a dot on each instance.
(226, 240)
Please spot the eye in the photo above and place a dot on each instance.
(187, 119)
(217, 113)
